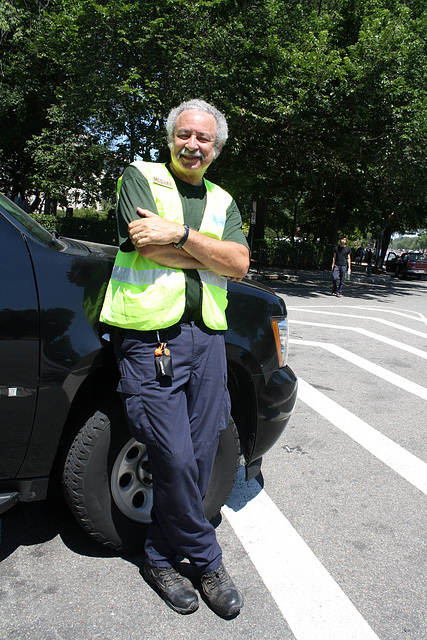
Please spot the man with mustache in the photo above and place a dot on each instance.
(180, 239)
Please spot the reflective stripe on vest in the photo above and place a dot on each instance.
(145, 295)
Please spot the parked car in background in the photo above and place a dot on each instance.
(407, 264)
(61, 420)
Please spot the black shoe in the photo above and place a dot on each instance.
(220, 593)
(176, 591)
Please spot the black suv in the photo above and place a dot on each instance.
(61, 420)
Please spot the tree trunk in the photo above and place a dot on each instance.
(259, 226)
(36, 203)
(295, 216)
(383, 244)
(294, 221)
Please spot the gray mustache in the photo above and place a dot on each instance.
(187, 154)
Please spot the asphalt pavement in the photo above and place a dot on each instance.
(332, 538)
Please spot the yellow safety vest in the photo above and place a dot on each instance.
(145, 295)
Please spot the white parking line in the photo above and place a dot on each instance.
(310, 600)
(394, 325)
(369, 367)
(369, 334)
(393, 455)
(404, 313)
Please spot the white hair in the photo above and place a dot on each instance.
(199, 105)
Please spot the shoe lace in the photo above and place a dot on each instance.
(216, 578)
(170, 577)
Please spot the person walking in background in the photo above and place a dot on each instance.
(341, 263)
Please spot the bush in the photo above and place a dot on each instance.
(90, 226)
(291, 255)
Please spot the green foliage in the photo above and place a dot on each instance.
(413, 243)
(326, 103)
(291, 255)
(88, 226)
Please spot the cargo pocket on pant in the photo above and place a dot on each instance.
(130, 393)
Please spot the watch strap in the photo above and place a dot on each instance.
(179, 244)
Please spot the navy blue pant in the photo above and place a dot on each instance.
(179, 420)
(338, 277)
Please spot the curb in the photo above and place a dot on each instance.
(272, 276)
(314, 276)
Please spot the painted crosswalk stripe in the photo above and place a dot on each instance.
(368, 366)
(387, 323)
(313, 604)
(369, 334)
(393, 455)
(404, 313)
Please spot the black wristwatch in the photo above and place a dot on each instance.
(179, 244)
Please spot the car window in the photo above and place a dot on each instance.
(34, 228)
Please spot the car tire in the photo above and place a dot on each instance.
(107, 482)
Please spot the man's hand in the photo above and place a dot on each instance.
(150, 239)
(153, 229)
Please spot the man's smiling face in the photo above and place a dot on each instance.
(193, 145)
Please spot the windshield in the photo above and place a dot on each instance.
(415, 257)
(34, 228)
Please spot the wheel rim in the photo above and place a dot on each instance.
(131, 482)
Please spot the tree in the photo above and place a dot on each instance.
(27, 92)
(326, 103)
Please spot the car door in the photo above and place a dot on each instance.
(19, 347)
(390, 265)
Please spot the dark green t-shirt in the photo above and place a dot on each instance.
(135, 192)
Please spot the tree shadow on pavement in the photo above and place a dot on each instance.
(379, 288)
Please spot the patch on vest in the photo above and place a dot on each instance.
(163, 182)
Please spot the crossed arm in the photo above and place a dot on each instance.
(158, 235)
